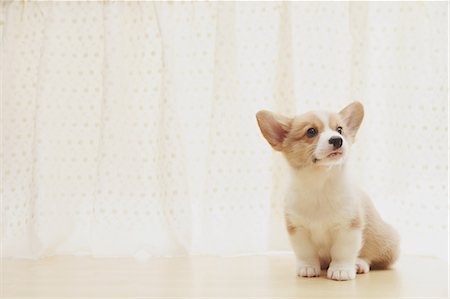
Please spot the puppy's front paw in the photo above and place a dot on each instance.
(308, 269)
(341, 272)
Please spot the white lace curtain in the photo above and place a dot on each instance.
(128, 128)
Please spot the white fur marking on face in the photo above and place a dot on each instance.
(323, 147)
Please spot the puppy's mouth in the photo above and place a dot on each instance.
(334, 155)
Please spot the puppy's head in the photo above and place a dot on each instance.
(313, 138)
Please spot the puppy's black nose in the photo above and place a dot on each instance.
(336, 142)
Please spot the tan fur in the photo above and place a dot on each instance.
(297, 147)
(356, 222)
(299, 126)
(289, 226)
(274, 127)
(381, 241)
(322, 203)
(352, 116)
(334, 121)
(338, 120)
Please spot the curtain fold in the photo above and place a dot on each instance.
(129, 127)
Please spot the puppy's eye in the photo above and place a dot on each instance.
(339, 130)
(311, 132)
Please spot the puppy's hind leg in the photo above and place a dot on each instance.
(362, 266)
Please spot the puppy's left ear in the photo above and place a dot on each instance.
(352, 115)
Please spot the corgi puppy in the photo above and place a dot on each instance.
(330, 221)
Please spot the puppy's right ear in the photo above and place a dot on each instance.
(274, 127)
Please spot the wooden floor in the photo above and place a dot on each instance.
(254, 276)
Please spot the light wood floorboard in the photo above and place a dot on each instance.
(212, 277)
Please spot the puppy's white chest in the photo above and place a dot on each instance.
(320, 213)
(319, 235)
